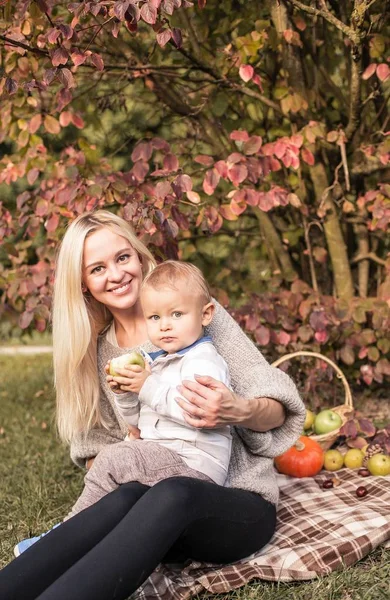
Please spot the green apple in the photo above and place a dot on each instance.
(333, 460)
(310, 416)
(353, 459)
(379, 464)
(121, 362)
(326, 421)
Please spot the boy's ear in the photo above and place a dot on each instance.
(207, 313)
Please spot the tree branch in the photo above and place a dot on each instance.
(328, 16)
(12, 42)
(369, 256)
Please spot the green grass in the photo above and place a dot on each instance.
(39, 484)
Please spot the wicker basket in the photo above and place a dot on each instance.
(344, 410)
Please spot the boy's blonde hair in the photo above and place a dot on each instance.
(77, 321)
(170, 272)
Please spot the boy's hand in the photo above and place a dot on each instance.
(129, 379)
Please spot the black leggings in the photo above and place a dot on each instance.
(108, 550)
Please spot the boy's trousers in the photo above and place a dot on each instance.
(123, 462)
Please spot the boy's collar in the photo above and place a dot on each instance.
(155, 355)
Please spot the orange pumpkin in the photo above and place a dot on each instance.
(304, 459)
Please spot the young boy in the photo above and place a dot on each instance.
(177, 305)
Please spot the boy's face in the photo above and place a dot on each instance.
(174, 318)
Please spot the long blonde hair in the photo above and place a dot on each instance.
(77, 321)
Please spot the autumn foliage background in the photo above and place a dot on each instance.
(249, 138)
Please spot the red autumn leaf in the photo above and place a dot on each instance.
(383, 72)
(78, 58)
(142, 151)
(25, 319)
(307, 156)
(239, 135)
(253, 145)
(97, 61)
(32, 176)
(358, 442)
(237, 174)
(202, 3)
(237, 208)
(369, 71)
(170, 162)
(321, 336)
(35, 123)
(59, 56)
(222, 168)
(148, 13)
(211, 181)
(53, 35)
(77, 121)
(120, 9)
(177, 37)
(184, 181)
(163, 37)
(140, 170)
(203, 159)
(65, 118)
(246, 72)
(262, 335)
(52, 223)
(11, 86)
(284, 338)
(227, 212)
(318, 320)
(367, 427)
(349, 429)
(66, 78)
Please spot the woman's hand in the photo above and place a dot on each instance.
(209, 403)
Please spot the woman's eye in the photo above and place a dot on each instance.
(177, 314)
(124, 257)
(155, 317)
(97, 270)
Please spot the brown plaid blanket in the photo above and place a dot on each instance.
(318, 531)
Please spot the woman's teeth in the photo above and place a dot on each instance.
(121, 289)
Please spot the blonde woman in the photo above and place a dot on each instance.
(109, 549)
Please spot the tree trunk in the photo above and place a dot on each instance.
(334, 237)
(274, 245)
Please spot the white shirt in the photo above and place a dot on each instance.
(159, 417)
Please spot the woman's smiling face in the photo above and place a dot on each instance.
(112, 271)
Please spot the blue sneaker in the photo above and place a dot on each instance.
(28, 542)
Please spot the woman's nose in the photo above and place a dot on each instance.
(115, 273)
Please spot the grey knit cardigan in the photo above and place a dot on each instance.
(251, 464)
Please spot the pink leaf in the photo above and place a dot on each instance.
(32, 176)
(120, 9)
(239, 135)
(53, 35)
(77, 121)
(52, 223)
(211, 181)
(177, 37)
(97, 60)
(246, 72)
(383, 72)
(369, 71)
(307, 156)
(227, 212)
(237, 174)
(171, 162)
(203, 159)
(163, 37)
(66, 78)
(25, 319)
(262, 335)
(35, 124)
(148, 13)
(284, 338)
(253, 145)
(59, 56)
